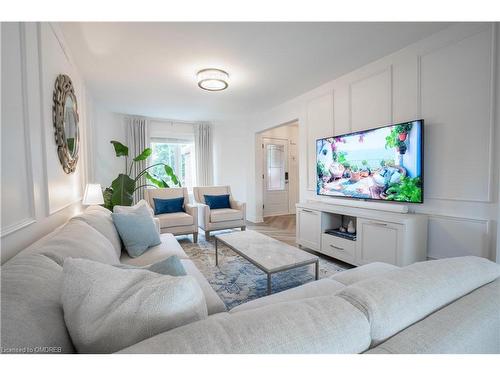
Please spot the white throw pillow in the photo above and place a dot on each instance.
(129, 209)
(107, 308)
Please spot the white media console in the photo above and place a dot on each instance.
(381, 236)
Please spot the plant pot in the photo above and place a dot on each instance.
(402, 136)
(355, 177)
(336, 170)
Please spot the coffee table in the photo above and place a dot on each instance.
(266, 253)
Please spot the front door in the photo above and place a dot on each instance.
(275, 156)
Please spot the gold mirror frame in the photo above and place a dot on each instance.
(63, 88)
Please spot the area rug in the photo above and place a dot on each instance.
(237, 281)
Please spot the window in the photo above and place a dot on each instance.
(179, 154)
(275, 167)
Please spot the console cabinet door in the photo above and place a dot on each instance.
(309, 228)
(379, 241)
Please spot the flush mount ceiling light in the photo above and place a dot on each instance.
(212, 79)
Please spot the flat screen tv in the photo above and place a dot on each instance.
(378, 164)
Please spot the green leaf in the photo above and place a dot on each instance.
(170, 173)
(144, 155)
(120, 149)
(107, 194)
(123, 188)
(158, 182)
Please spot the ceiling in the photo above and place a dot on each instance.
(149, 68)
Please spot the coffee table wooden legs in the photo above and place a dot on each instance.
(268, 283)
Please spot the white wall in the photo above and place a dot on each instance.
(231, 156)
(37, 196)
(106, 127)
(450, 80)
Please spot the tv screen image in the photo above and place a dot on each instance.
(381, 164)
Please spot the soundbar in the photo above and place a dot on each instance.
(382, 206)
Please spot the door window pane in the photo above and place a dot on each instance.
(275, 167)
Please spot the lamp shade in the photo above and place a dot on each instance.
(93, 195)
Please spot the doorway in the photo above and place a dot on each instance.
(276, 178)
(280, 183)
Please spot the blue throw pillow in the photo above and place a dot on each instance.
(171, 266)
(137, 230)
(168, 206)
(217, 201)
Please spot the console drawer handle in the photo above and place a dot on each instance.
(379, 224)
(336, 247)
(304, 210)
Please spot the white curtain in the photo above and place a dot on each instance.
(137, 141)
(204, 154)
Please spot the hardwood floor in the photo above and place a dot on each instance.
(281, 228)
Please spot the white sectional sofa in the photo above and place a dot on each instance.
(444, 306)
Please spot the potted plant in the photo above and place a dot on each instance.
(347, 170)
(402, 147)
(355, 174)
(123, 187)
(403, 130)
(336, 170)
(397, 138)
(365, 170)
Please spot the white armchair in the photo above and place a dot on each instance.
(177, 223)
(222, 218)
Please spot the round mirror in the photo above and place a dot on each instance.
(70, 126)
(65, 117)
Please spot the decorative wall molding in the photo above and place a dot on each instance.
(388, 69)
(486, 222)
(16, 226)
(484, 233)
(42, 120)
(51, 39)
(492, 108)
(62, 208)
(26, 123)
(27, 142)
(492, 193)
(419, 86)
(310, 146)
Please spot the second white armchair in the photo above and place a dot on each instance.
(177, 223)
(220, 218)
